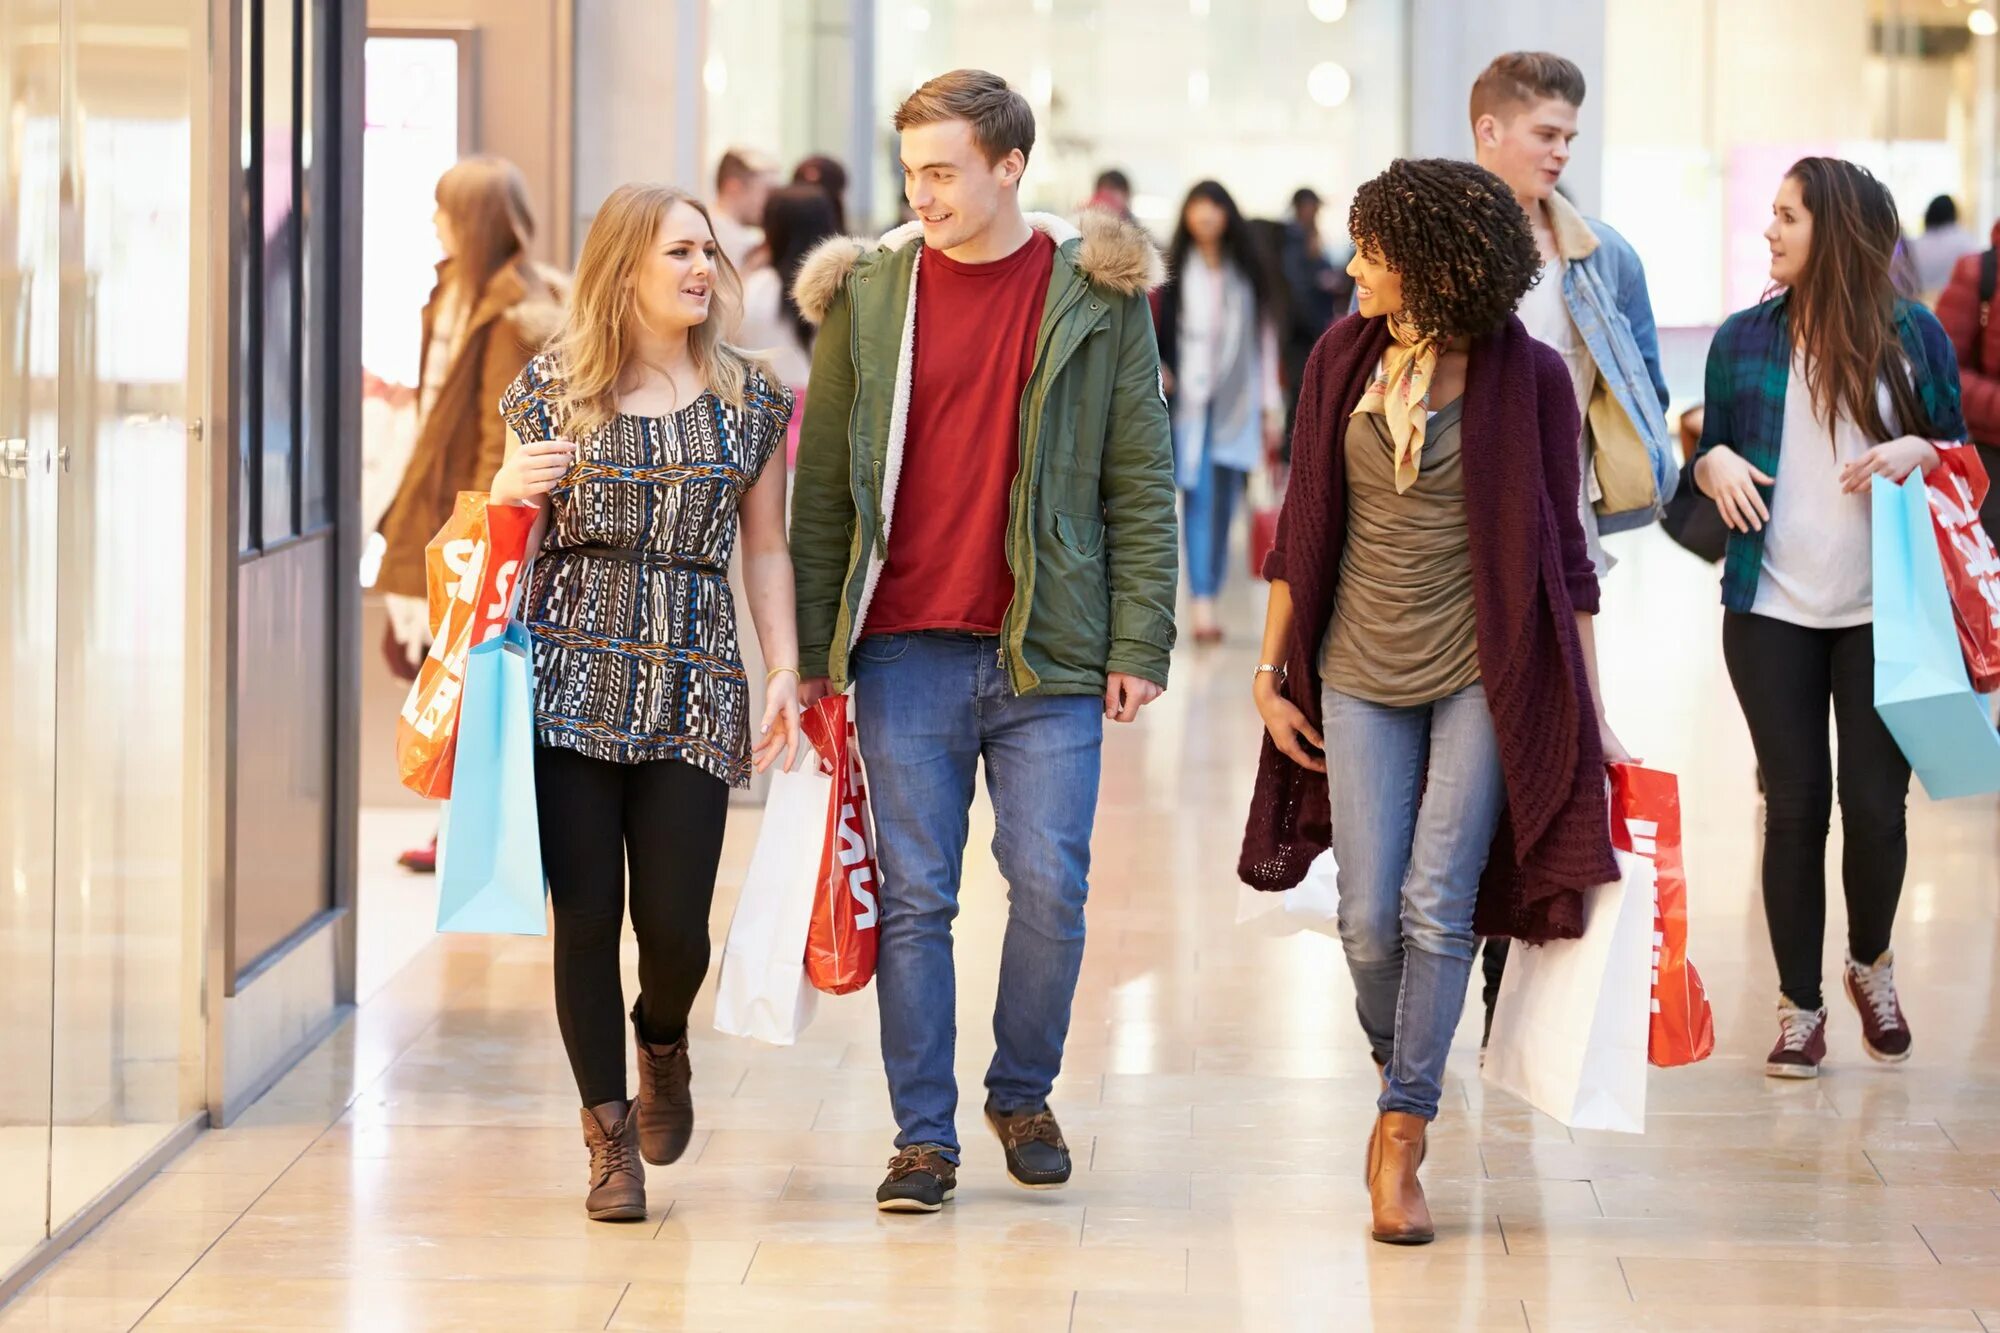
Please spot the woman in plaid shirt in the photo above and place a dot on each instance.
(1831, 382)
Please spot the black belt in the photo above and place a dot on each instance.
(657, 559)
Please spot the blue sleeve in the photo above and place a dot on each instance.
(1637, 304)
(1942, 363)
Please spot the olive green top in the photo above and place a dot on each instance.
(1403, 630)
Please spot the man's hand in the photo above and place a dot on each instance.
(812, 690)
(1125, 695)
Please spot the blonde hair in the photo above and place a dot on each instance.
(486, 199)
(594, 344)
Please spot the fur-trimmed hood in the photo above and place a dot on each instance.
(1112, 254)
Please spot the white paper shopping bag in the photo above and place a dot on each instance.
(1571, 1025)
(1313, 905)
(762, 991)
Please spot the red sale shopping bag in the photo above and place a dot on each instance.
(1971, 565)
(470, 569)
(1646, 821)
(840, 947)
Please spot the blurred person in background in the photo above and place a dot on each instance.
(1965, 310)
(1219, 350)
(797, 219)
(1112, 193)
(1319, 291)
(1429, 640)
(1591, 304)
(827, 173)
(743, 179)
(1938, 250)
(1834, 381)
(491, 310)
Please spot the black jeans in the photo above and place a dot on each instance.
(662, 821)
(1784, 675)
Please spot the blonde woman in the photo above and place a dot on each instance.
(491, 310)
(643, 438)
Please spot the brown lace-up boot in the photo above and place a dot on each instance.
(666, 1102)
(1395, 1151)
(617, 1179)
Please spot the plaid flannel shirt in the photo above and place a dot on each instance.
(1749, 365)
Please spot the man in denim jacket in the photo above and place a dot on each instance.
(1591, 305)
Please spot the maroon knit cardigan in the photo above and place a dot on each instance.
(1531, 573)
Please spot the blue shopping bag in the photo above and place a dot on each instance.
(1922, 690)
(489, 845)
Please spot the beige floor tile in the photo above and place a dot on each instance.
(1653, 1317)
(40, 1312)
(1055, 1222)
(1937, 1168)
(1278, 1311)
(1794, 1206)
(1160, 1189)
(904, 1261)
(1328, 1233)
(1345, 1195)
(1832, 1239)
(614, 1254)
(1814, 1164)
(820, 1308)
(1397, 1273)
(1961, 1244)
(1833, 1283)
(371, 1302)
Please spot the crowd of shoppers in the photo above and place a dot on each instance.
(1459, 445)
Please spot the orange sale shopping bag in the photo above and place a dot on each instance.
(840, 947)
(1646, 821)
(470, 570)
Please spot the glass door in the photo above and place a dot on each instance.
(127, 1035)
(30, 300)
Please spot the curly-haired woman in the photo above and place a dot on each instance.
(1429, 639)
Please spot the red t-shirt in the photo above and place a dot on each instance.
(975, 348)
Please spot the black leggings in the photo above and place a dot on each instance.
(1784, 674)
(663, 820)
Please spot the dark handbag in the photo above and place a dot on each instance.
(1691, 518)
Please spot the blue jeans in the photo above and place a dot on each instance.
(1206, 513)
(928, 708)
(1417, 794)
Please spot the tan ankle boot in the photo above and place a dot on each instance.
(666, 1103)
(617, 1179)
(1395, 1151)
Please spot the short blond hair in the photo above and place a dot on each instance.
(596, 340)
(1001, 118)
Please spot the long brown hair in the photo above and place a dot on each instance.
(486, 199)
(1843, 305)
(596, 337)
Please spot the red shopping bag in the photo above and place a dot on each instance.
(469, 572)
(1267, 497)
(840, 946)
(1646, 821)
(1971, 565)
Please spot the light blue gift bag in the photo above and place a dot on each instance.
(489, 844)
(1922, 690)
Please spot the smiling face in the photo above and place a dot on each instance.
(675, 282)
(954, 191)
(1378, 289)
(1790, 233)
(1529, 147)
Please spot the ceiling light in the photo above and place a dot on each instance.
(1329, 84)
(1327, 11)
(1982, 23)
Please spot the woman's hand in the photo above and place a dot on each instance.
(1290, 731)
(780, 732)
(1732, 483)
(1614, 749)
(1896, 460)
(531, 472)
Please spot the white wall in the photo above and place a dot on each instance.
(638, 98)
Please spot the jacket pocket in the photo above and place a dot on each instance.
(1084, 536)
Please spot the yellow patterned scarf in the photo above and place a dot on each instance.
(1401, 392)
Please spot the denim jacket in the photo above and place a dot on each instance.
(1604, 286)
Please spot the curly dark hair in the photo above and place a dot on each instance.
(1458, 237)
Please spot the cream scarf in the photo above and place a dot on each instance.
(1401, 391)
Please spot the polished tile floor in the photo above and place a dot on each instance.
(423, 1170)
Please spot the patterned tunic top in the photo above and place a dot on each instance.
(629, 603)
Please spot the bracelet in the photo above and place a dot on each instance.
(1268, 668)
(776, 672)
